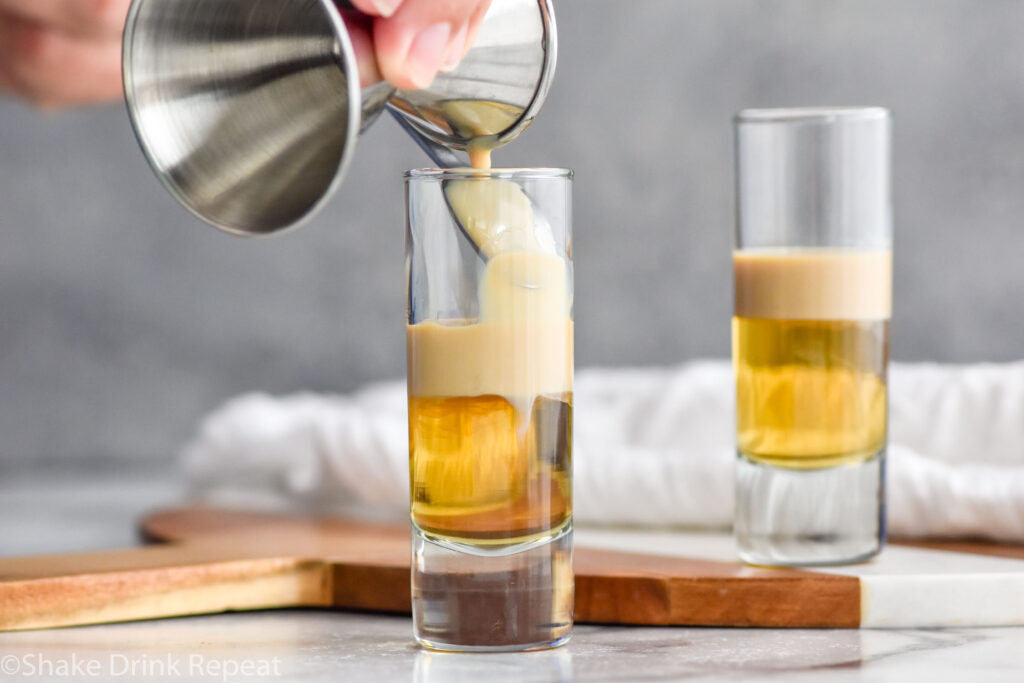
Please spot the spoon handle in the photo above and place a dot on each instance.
(439, 154)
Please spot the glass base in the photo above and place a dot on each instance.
(814, 517)
(492, 599)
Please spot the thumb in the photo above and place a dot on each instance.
(418, 40)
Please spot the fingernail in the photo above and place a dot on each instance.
(425, 54)
(456, 48)
(386, 7)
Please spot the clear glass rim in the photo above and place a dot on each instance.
(504, 173)
(811, 114)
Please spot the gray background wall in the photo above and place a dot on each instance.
(123, 320)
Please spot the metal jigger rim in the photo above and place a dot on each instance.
(540, 92)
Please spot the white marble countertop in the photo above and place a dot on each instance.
(54, 512)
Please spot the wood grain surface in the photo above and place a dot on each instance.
(210, 560)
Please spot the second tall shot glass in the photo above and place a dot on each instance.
(813, 299)
(490, 367)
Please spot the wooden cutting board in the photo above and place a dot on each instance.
(212, 560)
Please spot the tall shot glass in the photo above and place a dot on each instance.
(813, 292)
(490, 365)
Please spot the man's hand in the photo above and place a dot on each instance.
(65, 52)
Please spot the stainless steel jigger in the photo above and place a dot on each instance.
(249, 110)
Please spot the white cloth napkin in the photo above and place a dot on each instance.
(652, 447)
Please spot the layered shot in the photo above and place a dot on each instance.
(813, 298)
(490, 365)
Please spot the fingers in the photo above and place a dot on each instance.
(61, 52)
(456, 48)
(423, 37)
(54, 68)
(475, 21)
(410, 58)
(360, 33)
(80, 17)
(377, 8)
